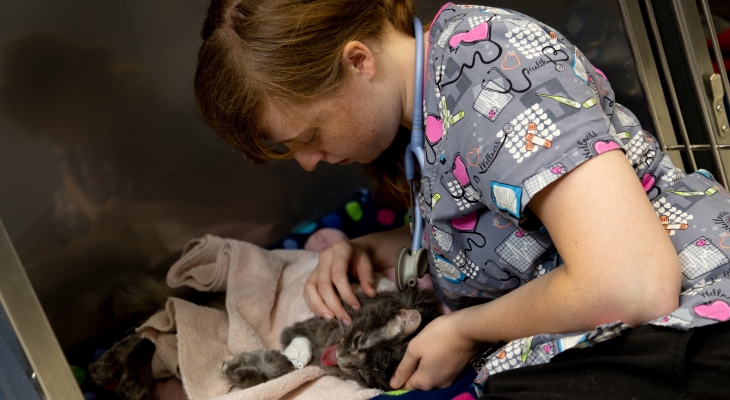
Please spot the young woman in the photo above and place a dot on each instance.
(525, 177)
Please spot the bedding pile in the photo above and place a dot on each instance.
(264, 295)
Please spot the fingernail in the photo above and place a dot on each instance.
(327, 316)
(394, 383)
(355, 307)
(346, 321)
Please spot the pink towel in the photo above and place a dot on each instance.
(264, 296)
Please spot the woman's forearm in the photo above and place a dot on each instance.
(553, 303)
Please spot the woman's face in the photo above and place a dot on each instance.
(355, 125)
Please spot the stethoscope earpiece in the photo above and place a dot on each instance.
(409, 267)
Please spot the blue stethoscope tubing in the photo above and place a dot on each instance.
(414, 150)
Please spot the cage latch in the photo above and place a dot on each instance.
(714, 86)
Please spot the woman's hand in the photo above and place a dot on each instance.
(436, 356)
(332, 273)
(360, 257)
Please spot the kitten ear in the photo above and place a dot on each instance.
(403, 324)
(409, 321)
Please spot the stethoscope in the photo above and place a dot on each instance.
(412, 263)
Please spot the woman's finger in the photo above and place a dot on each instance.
(342, 259)
(405, 369)
(364, 270)
(311, 292)
(327, 291)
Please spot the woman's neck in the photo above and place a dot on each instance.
(400, 50)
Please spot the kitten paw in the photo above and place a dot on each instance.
(256, 367)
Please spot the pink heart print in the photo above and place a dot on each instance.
(480, 32)
(647, 182)
(717, 310)
(601, 147)
(520, 233)
(466, 223)
(557, 169)
(459, 171)
(701, 242)
(434, 129)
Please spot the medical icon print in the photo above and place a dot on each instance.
(540, 355)
(718, 310)
(528, 38)
(476, 34)
(465, 265)
(533, 130)
(671, 217)
(700, 258)
(568, 102)
(542, 179)
(507, 198)
(491, 10)
(444, 239)
(511, 61)
(578, 69)
(624, 118)
(448, 31)
(447, 270)
(492, 100)
(672, 174)
(438, 127)
(520, 250)
(640, 152)
(466, 228)
(619, 136)
(459, 185)
(671, 320)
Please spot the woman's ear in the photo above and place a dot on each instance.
(358, 59)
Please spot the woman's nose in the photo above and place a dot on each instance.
(308, 160)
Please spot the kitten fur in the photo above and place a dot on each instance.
(126, 367)
(369, 350)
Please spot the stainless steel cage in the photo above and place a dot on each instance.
(672, 32)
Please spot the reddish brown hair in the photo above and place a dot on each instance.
(255, 51)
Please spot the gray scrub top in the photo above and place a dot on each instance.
(510, 107)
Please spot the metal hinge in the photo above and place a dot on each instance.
(714, 86)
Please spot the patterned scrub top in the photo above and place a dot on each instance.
(510, 107)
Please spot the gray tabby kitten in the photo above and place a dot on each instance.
(367, 351)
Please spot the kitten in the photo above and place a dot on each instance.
(368, 351)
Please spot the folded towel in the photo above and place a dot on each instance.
(264, 295)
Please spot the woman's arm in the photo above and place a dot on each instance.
(619, 264)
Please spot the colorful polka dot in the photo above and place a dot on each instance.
(354, 210)
(333, 221)
(386, 217)
(398, 392)
(291, 244)
(305, 228)
(79, 374)
(98, 353)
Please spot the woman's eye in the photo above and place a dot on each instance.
(312, 138)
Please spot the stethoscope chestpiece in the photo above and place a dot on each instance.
(409, 267)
